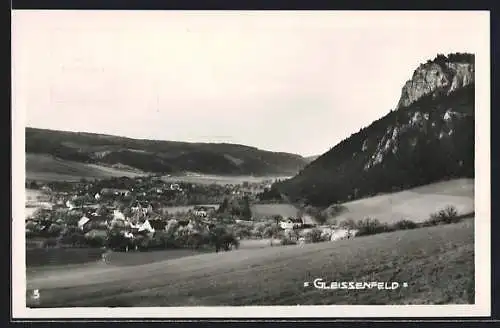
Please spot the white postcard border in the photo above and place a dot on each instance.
(482, 233)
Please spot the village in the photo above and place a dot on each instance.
(126, 214)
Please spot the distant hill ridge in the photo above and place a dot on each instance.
(429, 137)
(161, 156)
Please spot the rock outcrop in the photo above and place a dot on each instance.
(429, 138)
(443, 75)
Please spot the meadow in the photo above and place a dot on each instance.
(436, 262)
(48, 168)
(415, 204)
(268, 210)
(218, 179)
(39, 257)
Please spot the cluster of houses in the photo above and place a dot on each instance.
(247, 189)
(93, 224)
(291, 223)
(141, 217)
(204, 211)
(173, 187)
(150, 222)
(97, 219)
(331, 233)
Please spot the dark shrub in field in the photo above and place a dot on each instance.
(404, 225)
(314, 236)
(243, 231)
(72, 237)
(96, 241)
(287, 241)
(348, 224)
(50, 242)
(222, 239)
(445, 216)
(117, 241)
(371, 226)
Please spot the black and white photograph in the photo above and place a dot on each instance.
(250, 163)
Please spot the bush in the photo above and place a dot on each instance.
(54, 230)
(314, 236)
(445, 216)
(287, 241)
(321, 217)
(222, 239)
(73, 237)
(96, 241)
(404, 225)
(371, 226)
(241, 231)
(50, 242)
(270, 231)
(348, 224)
(117, 241)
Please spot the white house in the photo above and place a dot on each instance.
(200, 213)
(127, 234)
(146, 226)
(291, 223)
(83, 221)
(117, 215)
(70, 204)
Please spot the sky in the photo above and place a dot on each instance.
(297, 82)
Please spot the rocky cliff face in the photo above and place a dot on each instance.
(436, 77)
(430, 137)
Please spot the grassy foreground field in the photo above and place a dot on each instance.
(415, 204)
(436, 262)
(48, 168)
(41, 257)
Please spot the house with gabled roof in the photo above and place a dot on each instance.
(114, 191)
(291, 223)
(82, 222)
(158, 225)
(146, 227)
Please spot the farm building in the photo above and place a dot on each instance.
(142, 207)
(204, 211)
(70, 204)
(82, 222)
(158, 225)
(94, 221)
(291, 223)
(175, 186)
(115, 192)
(200, 213)
(146, 227)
